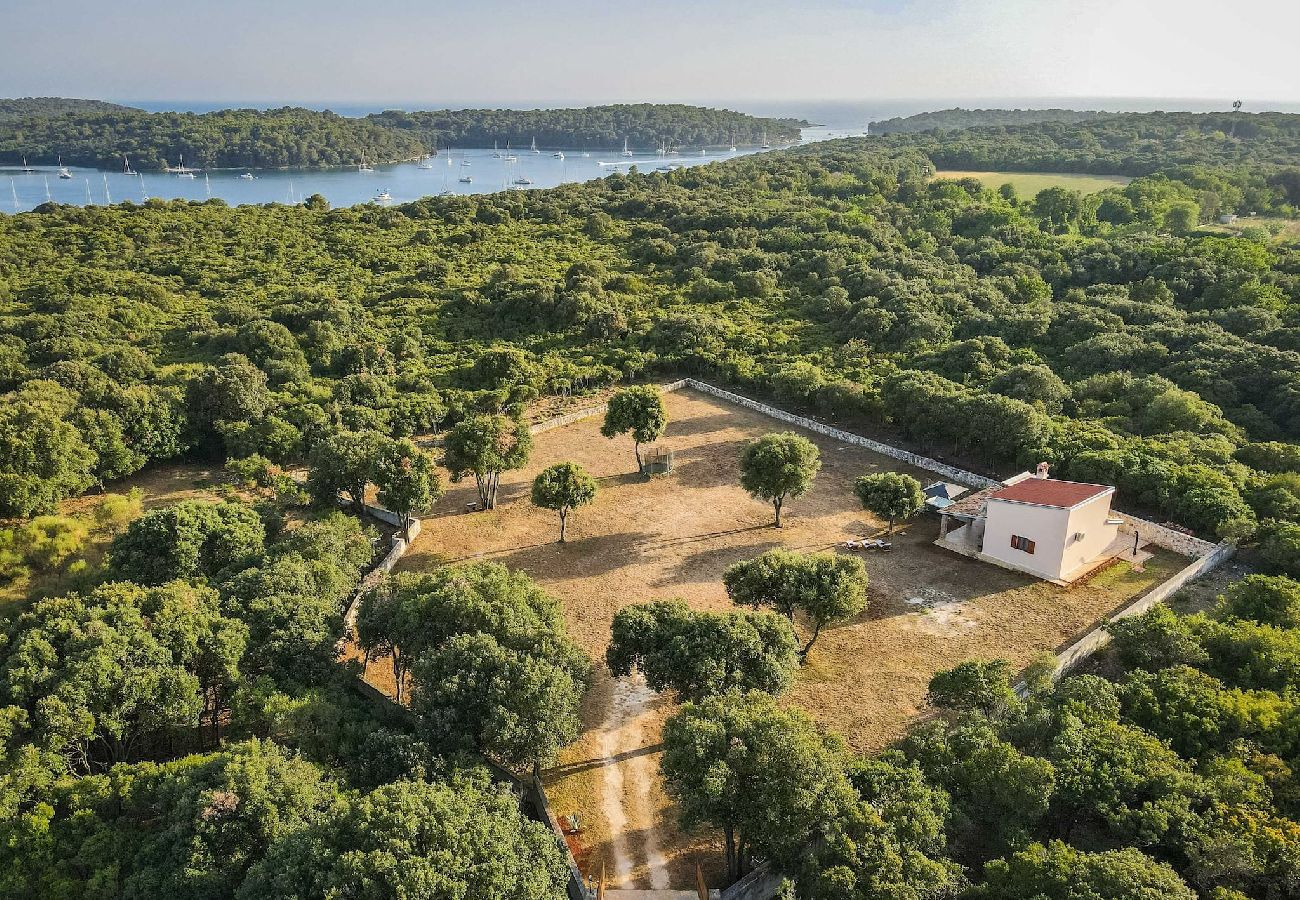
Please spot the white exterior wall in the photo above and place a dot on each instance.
(1044, 525)
(1090, 519)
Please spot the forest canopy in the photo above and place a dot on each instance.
(90, 133)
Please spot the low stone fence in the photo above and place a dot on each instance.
(1168, 538)
(397, 549)
(951, 473)
(762, 883)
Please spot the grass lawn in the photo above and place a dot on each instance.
(1027, 184)
(672, 537)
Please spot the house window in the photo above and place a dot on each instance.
(1022, 543)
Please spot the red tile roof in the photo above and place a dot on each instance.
(1050, 492)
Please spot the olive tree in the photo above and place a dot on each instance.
(408, 482)
(777, 466)
(562, 487)
(890, 495)
(698, 654)
(639, 410)
(485, 446)
(822, 587)
(763, 775)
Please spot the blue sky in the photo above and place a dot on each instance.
(591, 51)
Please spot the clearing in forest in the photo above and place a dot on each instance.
(672, 537)
(1027, 184)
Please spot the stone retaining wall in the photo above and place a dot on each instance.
(762, 883)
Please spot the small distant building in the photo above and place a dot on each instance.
(943, 494)
(1056, 530)
(1228, 219)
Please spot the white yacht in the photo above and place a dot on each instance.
(766, 145)
(63, 171)
(465, 179)
(523, 181)
(426, 161)
(383, 197)
(558, 154)
(248, 176)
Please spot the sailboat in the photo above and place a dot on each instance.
(626, 152)
(365, 166)
(26, 169)
(182, 171)
(48, 198)
(496, 154)
(207, 185)
(126, 166)
(534, 147)
(63, 171)
(766, 145)
(426, 161)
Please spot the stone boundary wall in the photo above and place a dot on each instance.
(397, 549)
(961, 476)
(1176, 541)
(588, 411)
(761, 883)
(1098, 636)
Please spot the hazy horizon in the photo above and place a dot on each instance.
(576, 52)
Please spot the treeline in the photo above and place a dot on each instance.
(951, 119)
(50, 107)
(1122, 144)
(645, 126)
(90, 133)
(1105, 334)
(231, 138)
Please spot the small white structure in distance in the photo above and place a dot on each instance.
(1055, 530)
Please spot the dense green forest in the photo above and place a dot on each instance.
(955, 118)
(178, 721)
(51, 107)
(1126, 144)
(645, 126)
(88, 133)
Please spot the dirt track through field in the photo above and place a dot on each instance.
(673, 537)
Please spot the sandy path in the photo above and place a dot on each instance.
(628, 778)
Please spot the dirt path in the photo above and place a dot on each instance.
(629, 774)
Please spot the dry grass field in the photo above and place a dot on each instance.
(672, 537)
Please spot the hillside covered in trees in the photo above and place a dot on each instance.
(645, 126)
(956, 118)
(1124, 144)
(90, 133)
(1111, 335)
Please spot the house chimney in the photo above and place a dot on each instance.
(1042, 470)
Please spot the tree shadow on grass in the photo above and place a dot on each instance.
(598, 762)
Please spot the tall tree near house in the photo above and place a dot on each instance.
(344, 463)
(639, 410)
(408, 482)
(763, 775)
(485, 446)
(563, 487)
(890, 495)
(777, 466)
(822, 587)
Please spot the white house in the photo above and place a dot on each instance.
(1057, 530)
